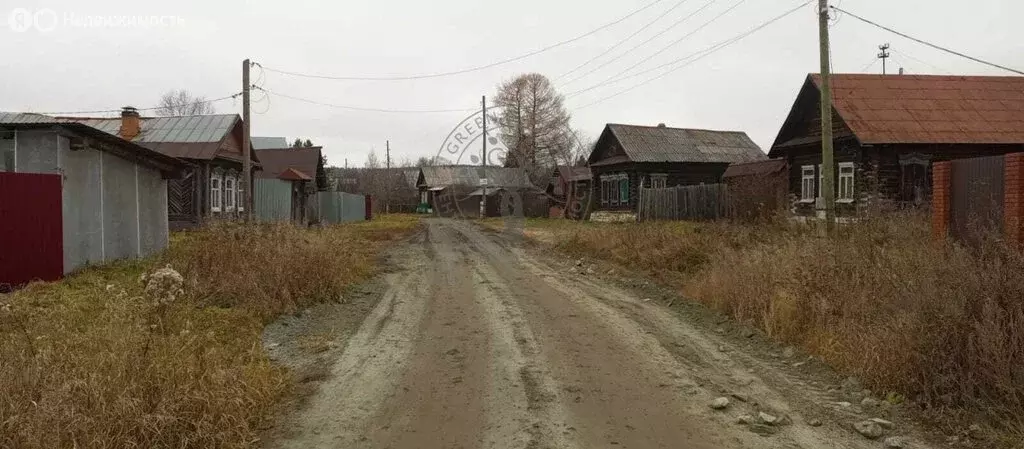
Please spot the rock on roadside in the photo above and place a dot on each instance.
(720, 403)
(869, 429)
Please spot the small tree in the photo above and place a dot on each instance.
(182, 102)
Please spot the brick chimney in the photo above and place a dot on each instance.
(131, 124)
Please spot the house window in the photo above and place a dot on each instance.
(614, 189)
(659, 181)
(215, 192)
(846, 172)
(807, 183)
(229, 193)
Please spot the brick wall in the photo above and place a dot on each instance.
(941, 185)
(1013, 212)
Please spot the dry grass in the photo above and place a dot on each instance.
(881, 300)
(91, 362)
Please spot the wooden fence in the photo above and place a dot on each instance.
(696, 202)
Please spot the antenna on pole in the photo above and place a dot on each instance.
(883, 55)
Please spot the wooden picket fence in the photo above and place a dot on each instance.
(696, 202)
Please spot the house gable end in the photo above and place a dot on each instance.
(803, 123)
(607, 146)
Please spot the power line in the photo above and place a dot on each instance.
(466, 70)
(905, 55)
(706, 52)
(670, 45)
(631, 49)
(689, 56)
(874, 60)
(363, 109)
(937, 47)
(627, 38)
(138, 109)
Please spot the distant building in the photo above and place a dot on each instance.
(627, 157)
(265, 143)
(297, 168)
(457, 191)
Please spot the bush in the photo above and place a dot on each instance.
(96, 360)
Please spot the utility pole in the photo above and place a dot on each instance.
(483, 187)
(246, 156)
(883, 55)
(827, 162)
(387, 177)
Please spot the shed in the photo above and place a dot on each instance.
(295, 168)
(457, 190)
(94, 198)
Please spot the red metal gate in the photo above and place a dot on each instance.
(31, 230)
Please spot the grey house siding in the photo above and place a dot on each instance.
(112, 208)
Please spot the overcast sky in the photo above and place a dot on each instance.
(84, 64)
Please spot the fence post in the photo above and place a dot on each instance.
(941, 176)
(1013, 198)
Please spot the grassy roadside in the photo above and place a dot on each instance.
(881, 300)
(98, 361)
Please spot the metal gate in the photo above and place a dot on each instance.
(976, 197)
(31, 230)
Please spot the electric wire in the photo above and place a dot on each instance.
(469, 69)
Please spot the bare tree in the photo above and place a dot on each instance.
(532, 121)
(182, 102)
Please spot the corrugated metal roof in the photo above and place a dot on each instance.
(265, 143)
(664, 144)
(154, 158)
(470, 175)
(190, 137)
(754, 168)
(930, 109)
(292, 174)
(277, 161)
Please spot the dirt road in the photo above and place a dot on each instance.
(477, 342)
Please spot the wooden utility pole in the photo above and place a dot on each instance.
(827, 162)
(387, 177)
(483, 186)
(246, 156)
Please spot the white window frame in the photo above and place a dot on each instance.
(215, 192)
(807, 174)
(659, 181)
(229, 193)
(846, 186)
(240, 194)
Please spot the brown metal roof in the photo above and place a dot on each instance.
(755, 168)
(292, 174)
(277, 161)
(881, 109)
(664, 144)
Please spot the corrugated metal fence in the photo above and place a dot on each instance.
(31, 228)
(697, 202)
(340, 207)
(272, 200)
